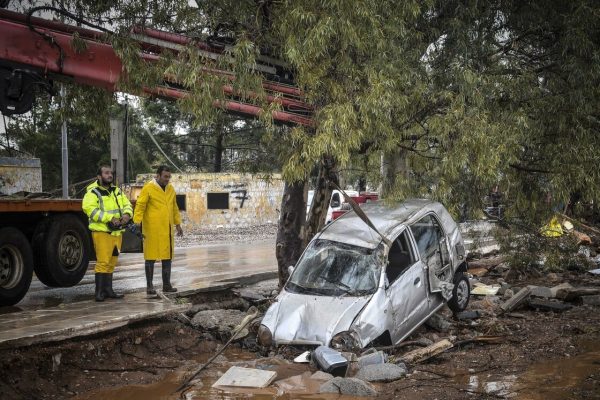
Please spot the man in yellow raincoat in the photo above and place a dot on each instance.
(108, 210)
(156, 209)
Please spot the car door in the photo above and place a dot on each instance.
(406, 287)
(433, 250)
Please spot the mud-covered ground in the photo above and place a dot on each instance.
(542, 355)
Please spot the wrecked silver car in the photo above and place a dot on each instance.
(351, 287)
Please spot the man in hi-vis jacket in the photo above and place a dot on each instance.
(156, 209)
(108, 210)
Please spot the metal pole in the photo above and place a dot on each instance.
(64, 148)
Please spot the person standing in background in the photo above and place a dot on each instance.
(156, 209)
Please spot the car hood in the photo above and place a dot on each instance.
(310, 319)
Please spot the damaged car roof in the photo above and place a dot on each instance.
(350, 229)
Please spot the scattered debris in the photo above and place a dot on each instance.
(419, 355)
(541, 291)
(582, 238)
(348, 386)
(591, 300)
(378, 357)
(571, 294)
(330, 360)
(463, 315)
(246, 377)
(555, 289)
(439, 323)
(508, 294)
(485, 290)
(303, 358)
(382, 372)
(516, 300)
(222, 322)
(549, 305)
(595, 271)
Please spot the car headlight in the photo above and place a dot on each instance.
(265, 337)
(346, 341)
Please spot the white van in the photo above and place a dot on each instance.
(335, 204)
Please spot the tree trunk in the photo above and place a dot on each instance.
(290, 232)
(218, 165)
(320, 201)
(394, 165)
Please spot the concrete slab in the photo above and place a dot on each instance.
(79, 319)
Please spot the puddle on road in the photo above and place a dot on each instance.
(292, 382)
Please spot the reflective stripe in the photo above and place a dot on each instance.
(113, 211)
(100, 201)
(96, 210)
(101, 217)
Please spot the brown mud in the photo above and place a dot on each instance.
(544, 355)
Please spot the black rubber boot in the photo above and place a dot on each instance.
(99, 286)
(108, 288)
(149, 265)
(166, 277)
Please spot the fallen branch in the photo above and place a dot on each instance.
(423, 354)
(243, 324)
(481, 339)
(401, 345)
(580, 223)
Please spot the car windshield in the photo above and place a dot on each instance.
(334, 269)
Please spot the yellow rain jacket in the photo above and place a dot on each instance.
(157, 210)
(101, 205)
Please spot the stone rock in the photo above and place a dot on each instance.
(222, 322)
(507, 294)
(321, 376)
(349, 386)
(438, 323)
(541, 291)
(474, 314)
(381, 372)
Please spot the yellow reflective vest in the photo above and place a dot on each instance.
(101, 205)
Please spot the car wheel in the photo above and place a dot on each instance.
(460, 293)
(62, 258)
(16, 266)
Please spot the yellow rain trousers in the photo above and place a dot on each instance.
(105, 245)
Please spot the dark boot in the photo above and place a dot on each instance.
(99, 286)
(166, 277)
(149, 265)
(108, 288)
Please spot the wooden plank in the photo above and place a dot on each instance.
(425, 353)
(516, 300)
(246, 377)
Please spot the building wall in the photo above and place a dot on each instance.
(20, 175)
(252, 199)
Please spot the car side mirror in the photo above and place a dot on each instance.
(290, 270)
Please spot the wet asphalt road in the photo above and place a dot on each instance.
(193, 266)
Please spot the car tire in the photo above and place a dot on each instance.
(63, 254)
(16, 266)
(460, 293)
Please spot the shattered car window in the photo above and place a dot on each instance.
(334, 269)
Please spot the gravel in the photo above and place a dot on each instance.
(227, 235)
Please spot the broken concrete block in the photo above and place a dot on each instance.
(555, 289)
(508, 294)
(572, 293)
(591, 300)
(503, 288)
(224, 322)
(516, 300)
(463, 315)
(348, 386)
(381, 372)
(419, 355)
(438, 323)
(549, 305)
(246, 377)
(541, 291)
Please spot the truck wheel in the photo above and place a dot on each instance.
(16, 266)
(62, 257)
(460, 293)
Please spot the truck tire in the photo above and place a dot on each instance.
(16, 266)
(62, 251)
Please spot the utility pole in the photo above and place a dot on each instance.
(64, 147)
